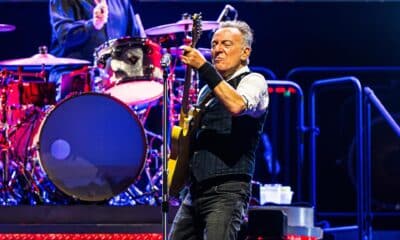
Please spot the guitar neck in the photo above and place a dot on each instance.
(186, 89)
(196, 31)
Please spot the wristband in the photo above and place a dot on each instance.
(209, 74)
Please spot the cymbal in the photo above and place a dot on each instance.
(6, 28)
(176, 51)
(43, 59)
(180, 26)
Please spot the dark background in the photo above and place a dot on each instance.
(289, 35)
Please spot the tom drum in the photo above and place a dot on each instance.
(133, 69)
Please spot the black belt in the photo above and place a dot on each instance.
(215, 181)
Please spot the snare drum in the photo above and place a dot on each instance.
(133, 67)
(91, 146)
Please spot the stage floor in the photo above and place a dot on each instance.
(83, 219)
(78, 222)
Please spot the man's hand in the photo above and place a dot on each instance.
(100, 14)
(192, 57)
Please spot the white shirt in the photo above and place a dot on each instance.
(254, 89)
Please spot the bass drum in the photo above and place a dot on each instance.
(92, 146)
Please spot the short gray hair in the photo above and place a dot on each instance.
(243, 27)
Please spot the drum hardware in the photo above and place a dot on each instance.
(132, 67)
(12, 171)
(77, 81)
(20, 91)
(183, 25)
(44, 91)
(39, 184)
(224, 13)
(176, 51)
(131, 197)
(41, 75)
(152, 179)
(153, 171)
(150, 195)
(147, 188)
(43, 59)
(155, 181)
(22, 185)
(5, 141)
(129, 58)
(30, 184)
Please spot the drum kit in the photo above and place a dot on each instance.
(90, 145)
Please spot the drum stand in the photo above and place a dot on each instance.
(16, 179)
(148, 191)
(7, 193)
(5, 146)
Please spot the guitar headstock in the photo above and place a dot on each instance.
(196, 29)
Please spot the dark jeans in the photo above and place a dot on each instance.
(214, 213)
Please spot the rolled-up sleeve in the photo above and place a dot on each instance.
(254, 89)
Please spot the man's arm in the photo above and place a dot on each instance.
(228, 96)
(70, 31)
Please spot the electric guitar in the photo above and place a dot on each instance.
(178, 160)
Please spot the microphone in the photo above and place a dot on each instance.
(165, 60)
(225, 12)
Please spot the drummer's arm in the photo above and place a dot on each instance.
(70, 31)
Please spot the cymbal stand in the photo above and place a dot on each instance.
(4, 134)
(5, 143)
(16, 182)
(152, 190)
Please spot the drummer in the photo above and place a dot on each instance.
(79, 26)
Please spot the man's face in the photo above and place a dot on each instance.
(228, 50)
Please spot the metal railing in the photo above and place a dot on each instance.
(299, 127)
(355, 83)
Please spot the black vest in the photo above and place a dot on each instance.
(224, 144)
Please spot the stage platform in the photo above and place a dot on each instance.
(78, 222)
(82, 219)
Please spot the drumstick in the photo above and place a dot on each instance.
(141, 29)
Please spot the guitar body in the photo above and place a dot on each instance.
(178, 162)
(181, 136)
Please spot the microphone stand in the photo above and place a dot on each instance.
(164, 204)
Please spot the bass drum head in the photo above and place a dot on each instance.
(92, 146)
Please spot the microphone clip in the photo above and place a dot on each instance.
(165, 60)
